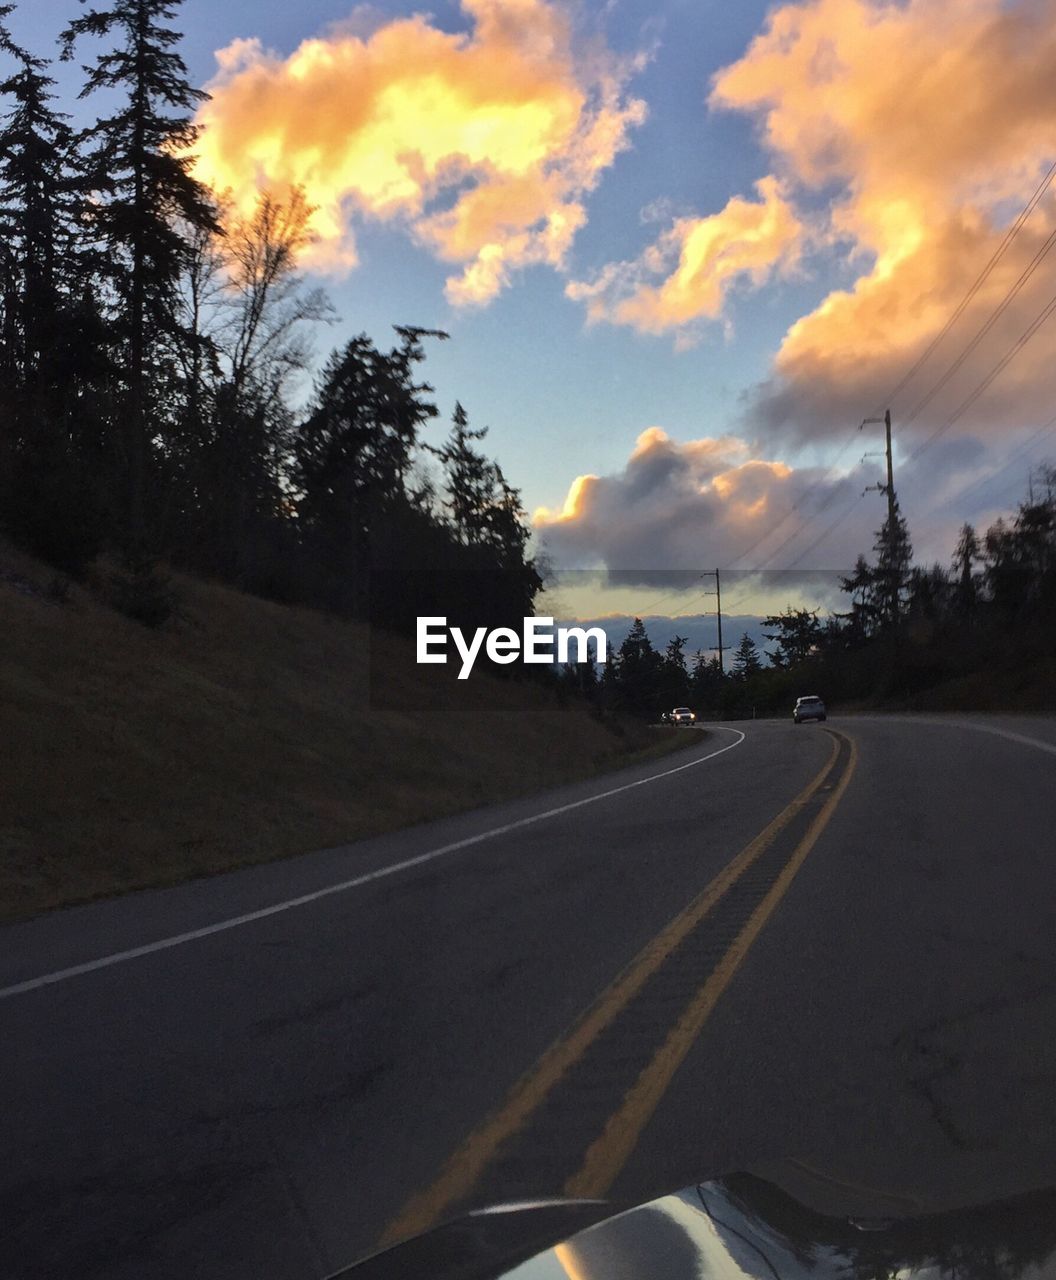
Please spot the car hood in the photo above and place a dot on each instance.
(793, 1223)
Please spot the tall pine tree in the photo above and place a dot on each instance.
(147, 207)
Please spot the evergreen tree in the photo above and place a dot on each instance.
(52, 345)
(798, 634)
(632, 674)
(469, 479)
(861, 587)
(673, 681)
(965, 556)
(355, 448)
(484, 510)
(928, 593)
(706, 681)
(40, 196)
(138, 161)
(746, 660)
(894, 559)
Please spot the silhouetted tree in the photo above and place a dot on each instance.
(469, 479)
(706, 681)
(746, 660)
(673, 679)
(248, 313)
(798, 634)
(893, 562)
(138, 162)
(965, 556)
(631, 675)
(52, 346)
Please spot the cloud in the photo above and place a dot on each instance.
(700, 631)
(686, 274)
(934, 120)
(678, 508)
(482, 144)
(681, 506)
(903, 139)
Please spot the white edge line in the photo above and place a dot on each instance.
(234, 922)
(1022, 738)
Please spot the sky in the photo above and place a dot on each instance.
(683, 248)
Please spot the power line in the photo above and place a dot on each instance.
(978, 283)
(670, 595)
(980, 280)
(1024, 449)
(796, 506)
(994, 373)
(823, 506)
(993, 318)
(825, 532)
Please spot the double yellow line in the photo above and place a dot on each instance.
(607, 1155)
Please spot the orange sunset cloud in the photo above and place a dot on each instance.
(483, 145)
(924, 127)
(700, 260)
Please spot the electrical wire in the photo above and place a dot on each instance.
(956, 364)
(797, 505)
(993, 318)
(977, 284)
(825, 532)
(670, 595)
(977, 485)
(994, 373)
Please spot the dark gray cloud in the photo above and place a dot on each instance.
(677, 510)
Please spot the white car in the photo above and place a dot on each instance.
(682, 715)
(808, 708)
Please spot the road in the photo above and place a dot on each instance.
(782, 942)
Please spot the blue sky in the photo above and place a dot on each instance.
(559, 398)
(806, 299)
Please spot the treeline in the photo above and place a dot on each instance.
(154, 345)
(987, 615)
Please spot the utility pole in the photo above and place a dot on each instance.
(718, 614)
(892, 501)
(888, 488)
(714, 573)
(891, 504)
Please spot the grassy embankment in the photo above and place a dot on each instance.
(242, 733)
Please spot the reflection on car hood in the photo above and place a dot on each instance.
(741, 1227)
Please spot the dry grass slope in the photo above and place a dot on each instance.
(131, 758)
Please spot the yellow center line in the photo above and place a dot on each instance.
(606, 1157)
(463, 1170)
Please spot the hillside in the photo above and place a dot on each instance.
(245, 731)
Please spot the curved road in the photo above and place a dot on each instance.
(837, 946)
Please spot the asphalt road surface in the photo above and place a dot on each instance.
(786, 941)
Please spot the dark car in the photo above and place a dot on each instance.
(793, 1224)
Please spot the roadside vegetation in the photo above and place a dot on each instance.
(974, 634)
(155, 349)
(197, 549)
(242, 731)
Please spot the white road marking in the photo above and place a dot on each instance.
(234, 922)
(1022, 738)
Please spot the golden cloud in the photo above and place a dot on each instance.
(932, 122)
(482, 144)
(937, 118)
(699, 259)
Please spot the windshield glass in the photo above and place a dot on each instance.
(438, 440)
